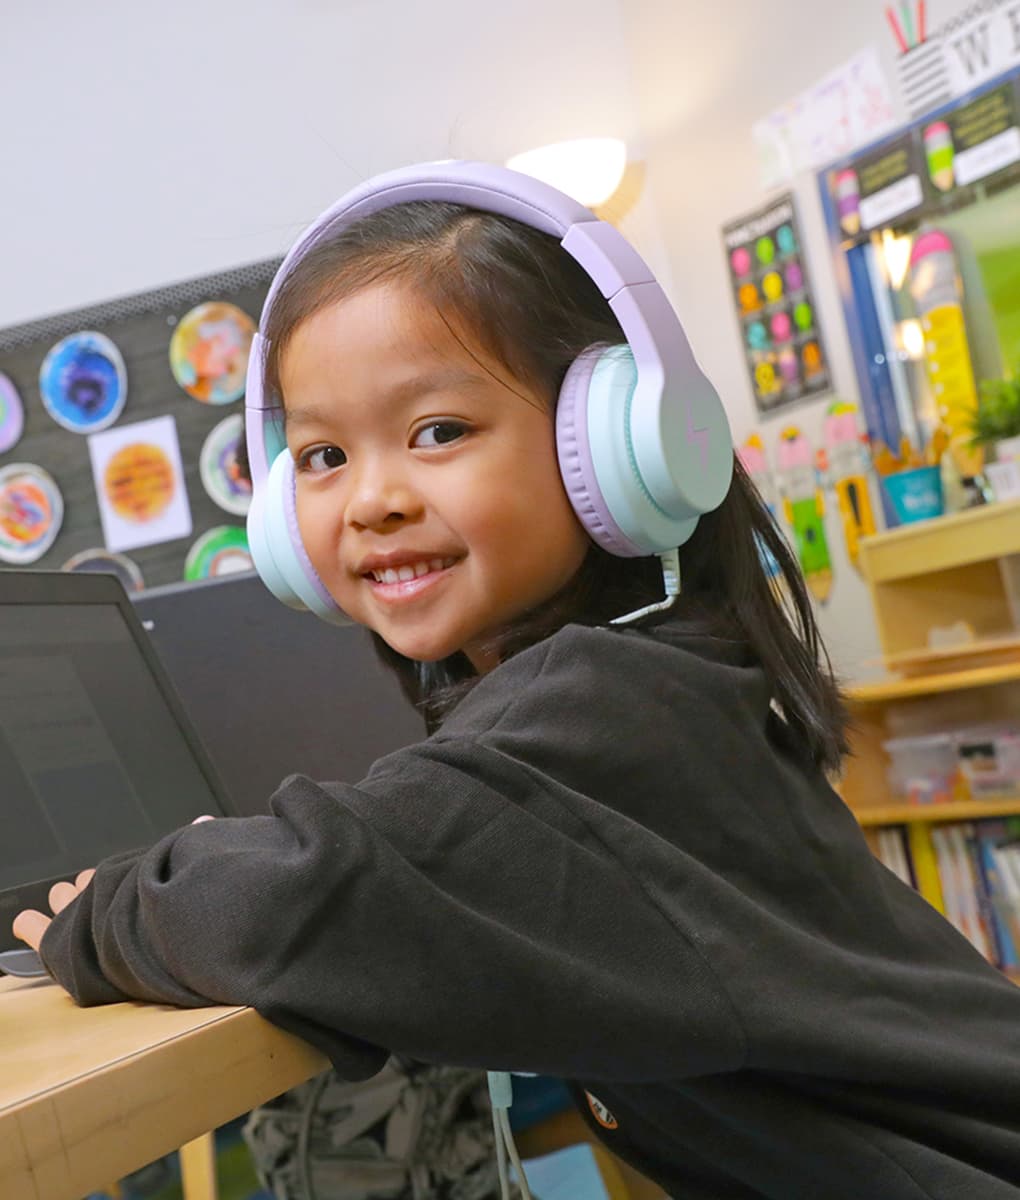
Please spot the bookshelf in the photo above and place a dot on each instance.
(957, 572)
(961, 575)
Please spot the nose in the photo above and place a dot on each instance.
(381, 496)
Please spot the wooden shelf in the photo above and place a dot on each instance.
(974, 535)
(887, 690)
(959, 810)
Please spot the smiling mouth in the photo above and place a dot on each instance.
(410, 571)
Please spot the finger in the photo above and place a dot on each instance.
(61, 895)
(84, 878)
(205, 818)
(29, 926)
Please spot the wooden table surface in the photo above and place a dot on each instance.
(88, 1095)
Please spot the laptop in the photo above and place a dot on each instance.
(97, 754)
(272, 692)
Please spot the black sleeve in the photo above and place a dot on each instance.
(446, 908)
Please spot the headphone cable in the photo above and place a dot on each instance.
(670, 560)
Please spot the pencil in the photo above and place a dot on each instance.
(895, 26)
(921, 33)
(908, 22)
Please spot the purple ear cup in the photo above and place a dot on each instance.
(573, 449)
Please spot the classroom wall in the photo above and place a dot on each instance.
(150, 146)
(143, 145)
(701, 79)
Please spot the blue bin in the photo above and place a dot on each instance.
(915, 495)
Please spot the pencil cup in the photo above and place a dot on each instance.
(915, 495)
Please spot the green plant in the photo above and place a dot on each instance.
(997, 415)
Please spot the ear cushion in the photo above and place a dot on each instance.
(278, 551)
(573, 449)
(597, 463)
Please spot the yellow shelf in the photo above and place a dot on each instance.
(974, 535)
(927, 685)
(958, 810)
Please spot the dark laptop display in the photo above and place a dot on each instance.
(96, 753)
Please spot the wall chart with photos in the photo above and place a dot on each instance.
(779, 331)
(120, 431)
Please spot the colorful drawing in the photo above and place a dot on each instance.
(222, 550)
(12, 415)
(31, 513)
(939, 152)
(218, 464)
(846, 463)
(105, 562)
(83, 382)
(804, 509)
(139, 481)
(937, 293)
(209, 352)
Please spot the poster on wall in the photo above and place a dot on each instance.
(932, 167)
(782, 343)
(140, 484)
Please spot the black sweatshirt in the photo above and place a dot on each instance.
(608, 866)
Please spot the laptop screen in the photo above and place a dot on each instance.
(95, 754)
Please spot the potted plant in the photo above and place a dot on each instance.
(995, 424)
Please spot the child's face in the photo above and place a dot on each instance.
(416, 453)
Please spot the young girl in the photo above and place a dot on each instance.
(617, 859)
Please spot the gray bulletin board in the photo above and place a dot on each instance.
(141, 327)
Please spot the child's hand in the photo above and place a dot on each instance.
(30, 925)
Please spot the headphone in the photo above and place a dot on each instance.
(642, 438)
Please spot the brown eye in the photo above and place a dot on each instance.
(440, 433)
(322, 458)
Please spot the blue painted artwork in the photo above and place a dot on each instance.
(83, 382)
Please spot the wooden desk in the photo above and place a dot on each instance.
(88, 1095)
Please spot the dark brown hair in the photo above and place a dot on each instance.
(520, 297)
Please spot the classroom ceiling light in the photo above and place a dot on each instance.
(588, 169)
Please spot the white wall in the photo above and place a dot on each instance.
(702, 75)
(140, 144)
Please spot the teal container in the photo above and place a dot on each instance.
(915, 495)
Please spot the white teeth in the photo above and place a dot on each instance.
(412, 570)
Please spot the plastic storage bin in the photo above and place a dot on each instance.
(924, 769)
(990, 758)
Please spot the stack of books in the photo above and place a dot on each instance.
(970, 871)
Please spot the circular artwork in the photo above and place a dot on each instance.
(209, 352)
(12, 415)
(139, 481)
(222, 550)
(107, 562)
(31, 512)
(221, 475)
(83, 382)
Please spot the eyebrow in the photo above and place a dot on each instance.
(421, 385)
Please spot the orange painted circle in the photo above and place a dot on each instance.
(139, 481)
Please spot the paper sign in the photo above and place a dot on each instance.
(849, 108)
(140, 484)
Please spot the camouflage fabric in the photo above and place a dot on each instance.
(411, 1132)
